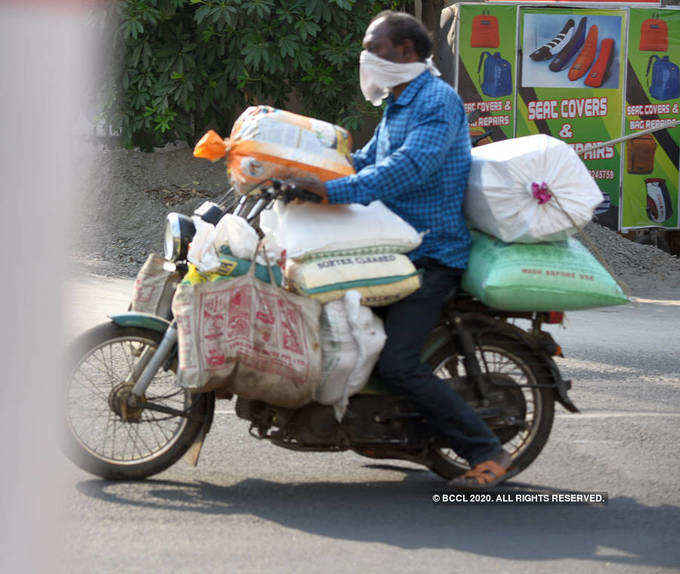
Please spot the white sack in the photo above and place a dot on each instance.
(352, 337)
(236, 233)
(202, 251)
(313, 230)
(338, 352)
(380, 279)
(500, 196)
(370, 337)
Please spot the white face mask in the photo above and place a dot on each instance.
(378, 76)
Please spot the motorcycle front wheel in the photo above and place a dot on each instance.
(101, 434)
(517, 364)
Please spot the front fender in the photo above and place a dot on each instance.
(142, 320)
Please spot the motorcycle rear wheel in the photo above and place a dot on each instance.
(95, 435)
(519, 362)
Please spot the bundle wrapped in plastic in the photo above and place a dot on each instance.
(529, 189)
(225, 251)
(310, 231)
(351, 340)
(266, 143)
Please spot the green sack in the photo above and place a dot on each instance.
(555, 276)
(230, 267)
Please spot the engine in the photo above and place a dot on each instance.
(377, 421)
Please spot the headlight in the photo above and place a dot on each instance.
(179, 231)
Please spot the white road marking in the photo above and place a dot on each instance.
(593, 415)
(607, 415)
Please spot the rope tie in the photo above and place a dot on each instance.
(541, 192)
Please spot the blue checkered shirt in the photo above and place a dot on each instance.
(417, 164)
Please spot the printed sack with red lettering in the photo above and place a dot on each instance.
(153, 286)
(555, 276)
(250, 338)
(529, 189)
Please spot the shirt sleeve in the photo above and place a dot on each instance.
(410, 165)
(366, 155)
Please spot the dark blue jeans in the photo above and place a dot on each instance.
(407, 324)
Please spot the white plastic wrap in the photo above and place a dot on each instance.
(515, 185)
(352, 337)
(202, 251)
(312, 230)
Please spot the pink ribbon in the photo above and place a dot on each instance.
(541, 192)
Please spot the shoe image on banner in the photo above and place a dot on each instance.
(654, 36)
(553, 47)
(585, 56)
(665, 84)
(484, 31)
(640, 154)
(659, 206)
(497, 80)
(600, 68)
(560, 61)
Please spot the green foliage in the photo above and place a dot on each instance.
(186, 65)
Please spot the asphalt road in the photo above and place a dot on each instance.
(251, 507)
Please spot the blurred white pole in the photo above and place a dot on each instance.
(44, 56)
(418, 9)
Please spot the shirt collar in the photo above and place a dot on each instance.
(411, 90)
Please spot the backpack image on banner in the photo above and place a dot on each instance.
(497, 79)
(640, 154)
(484, 31)
(659, 204)
(665, 84)
(654, 35)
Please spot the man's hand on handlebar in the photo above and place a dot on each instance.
(298, 189)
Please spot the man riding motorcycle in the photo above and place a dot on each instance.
(417, 163)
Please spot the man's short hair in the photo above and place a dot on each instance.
(403, 26)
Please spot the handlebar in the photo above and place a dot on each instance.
(288, 192)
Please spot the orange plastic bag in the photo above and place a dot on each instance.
(267, 143)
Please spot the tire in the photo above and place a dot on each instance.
(98, 363)
(527, 368)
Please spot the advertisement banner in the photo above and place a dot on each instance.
(487, 53)
(571, 80)
(650, 172)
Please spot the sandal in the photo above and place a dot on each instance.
(485, 475)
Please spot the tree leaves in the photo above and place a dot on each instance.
(193, 64)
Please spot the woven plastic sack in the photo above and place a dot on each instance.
(250, 338)
(307, 231)
(352, 337)
(529, 189)
(380, 279)
(557, 276)
(153, 287)
(267, 143)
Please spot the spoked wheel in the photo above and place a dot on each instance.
(103, 435)
(530, 409)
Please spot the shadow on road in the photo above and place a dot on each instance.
(402, 514)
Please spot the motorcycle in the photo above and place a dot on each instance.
(125, 418)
